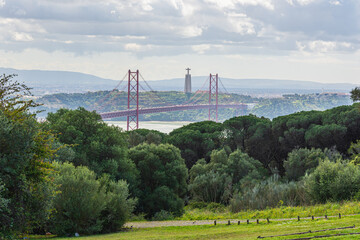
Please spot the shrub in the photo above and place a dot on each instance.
(301, 161)
(162, 216)
(118, 207)
(270, 193)
(217, 180)
(334, 181)
(87, 205)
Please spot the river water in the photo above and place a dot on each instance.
(161, 126)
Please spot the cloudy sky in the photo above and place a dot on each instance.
(315, 40)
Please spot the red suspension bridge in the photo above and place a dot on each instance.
(133, 111)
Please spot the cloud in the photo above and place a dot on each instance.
(233, 4)
(134, 47)
(23, 37)
(324, 46)
(147, 27)
(301, 2)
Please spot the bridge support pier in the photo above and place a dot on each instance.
(133, 98)
(213, 97)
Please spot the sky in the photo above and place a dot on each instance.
(311, 40)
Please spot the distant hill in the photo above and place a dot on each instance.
(258, 85)
(48, 82)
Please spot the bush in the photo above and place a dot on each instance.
(301, 161)
(223, 175)
(163, 176)
(270, 193)
(162, 216)
(86, 205)
(118, 207)
(333, 181)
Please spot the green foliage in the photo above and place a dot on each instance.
(162, 216)
(354, 152)
(333, 181)
(139, 136)
(355, 94)
(118, 205)
(326, 136)
(197, 140)
(5, 215)
(11, 93)
(252, 135)
(217, 180)
(163, 176)
(301, 161)
(269, 194)
(87, 205)
(100, 147)
(24, 150)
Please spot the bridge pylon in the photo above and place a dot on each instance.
(133, 99)
(213, 97)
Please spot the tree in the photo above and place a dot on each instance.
(163, 176)
(100, 147)
(24, 149)
(139, 136)
(355, 94)
(247, 133)
(197, 140)
(326, 136)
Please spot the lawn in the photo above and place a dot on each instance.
(330, 209)
(242, 231)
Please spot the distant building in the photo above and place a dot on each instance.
(187, 88)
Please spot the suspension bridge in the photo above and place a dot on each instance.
(133, 110)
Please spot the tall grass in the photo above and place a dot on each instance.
(269, 194)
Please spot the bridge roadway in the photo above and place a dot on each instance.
(132, 112)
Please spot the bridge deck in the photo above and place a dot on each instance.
(132, 112)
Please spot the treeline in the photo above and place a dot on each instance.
(73, 173)
(106, 101)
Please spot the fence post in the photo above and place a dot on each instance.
(215, 223)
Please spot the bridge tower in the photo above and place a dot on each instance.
(213, 97)
(133, 99)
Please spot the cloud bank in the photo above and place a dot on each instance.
(170, 27)
(302, 39)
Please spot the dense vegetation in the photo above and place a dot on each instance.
(105, 101)
(73, 173)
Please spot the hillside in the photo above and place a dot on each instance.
(106, 101)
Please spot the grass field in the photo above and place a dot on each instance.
(330, 209)
(252, 230)
(242, 231)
